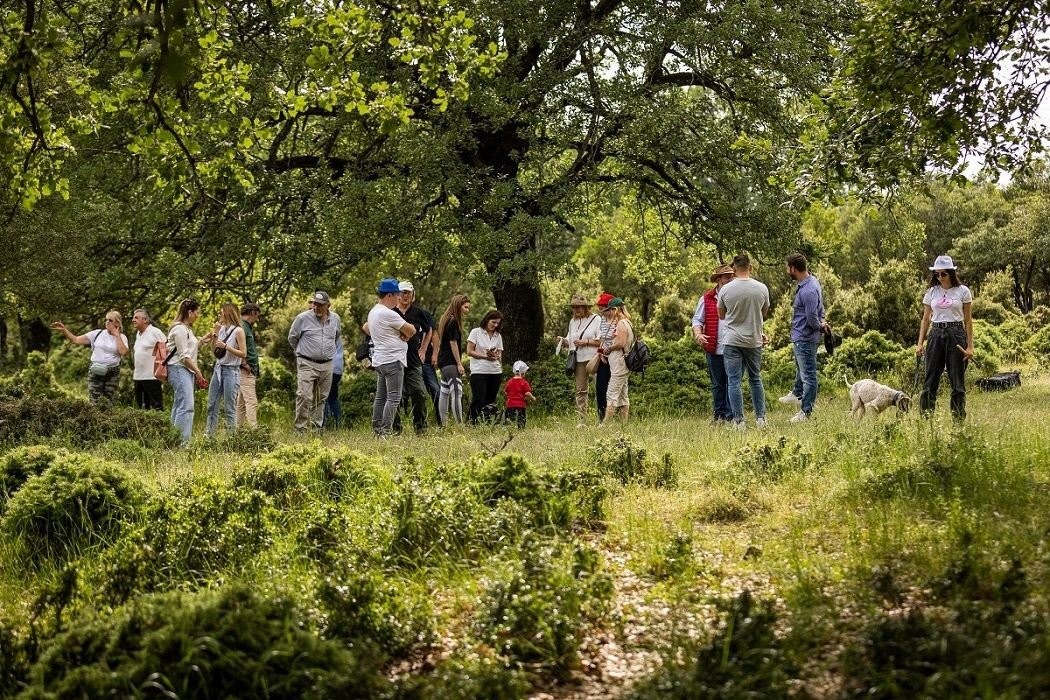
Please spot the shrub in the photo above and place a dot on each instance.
(745, 659)
(985, 309)
(769, 462)
(229, 643)
(77, 502)
(871, 355)
(1039, 346)
(21, 463)
(202, 528)
(670, 319)
(366, 609)
(80, 423)
(534, 612)
(620, 458)
(281, 483)
(1014, 333)
(477, 672)
(675, 382)
(675, 559)
(33, 380)
(245, 440)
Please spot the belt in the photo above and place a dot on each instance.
(315, 360)
(947, 324)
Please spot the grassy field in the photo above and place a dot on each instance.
(891, 558)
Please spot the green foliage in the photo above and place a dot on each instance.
(988, 342)
(769, 462)
(17, 466)
(675, 559)
(368, 610)
(630, 464)
(35, 380)
(744, 659)
(535, 610)
(78, 502)
(890, 302)
(244, 440)
(469, 673)
(282, 483)
(1039, 346)
(670, 320)
(675, 382)
(230, 642)
(871, 355)
(201, 529)
(80, 424)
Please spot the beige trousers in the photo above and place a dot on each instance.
(617, 395)
(314, 381)
(247, 403)
(582, 379)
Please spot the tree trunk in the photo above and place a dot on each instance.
(522, 307)
(35, 335)
(3, 338)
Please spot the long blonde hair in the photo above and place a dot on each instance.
(229, 315)
(454, 311)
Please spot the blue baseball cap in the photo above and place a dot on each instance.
(388, 286)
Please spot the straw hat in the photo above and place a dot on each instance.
(721, 270)
(579, 300)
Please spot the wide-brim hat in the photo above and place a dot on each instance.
(721, 270)
(579, 300)
(943, 262)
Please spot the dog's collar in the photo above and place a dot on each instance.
(897, 397)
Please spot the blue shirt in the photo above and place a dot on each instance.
(807, 311)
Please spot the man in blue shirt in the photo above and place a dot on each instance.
(807, 323)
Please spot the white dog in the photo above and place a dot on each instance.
(869, 395)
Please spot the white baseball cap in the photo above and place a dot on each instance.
(520, 367)
(405, 287)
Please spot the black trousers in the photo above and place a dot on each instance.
(414, 396)
(601, 387)
(515, 416)
(941, 353)
(484, 388)
(149, 394)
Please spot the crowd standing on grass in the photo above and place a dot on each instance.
(419, 362)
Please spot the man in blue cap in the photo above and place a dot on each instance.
(390, 333)
(313, 336)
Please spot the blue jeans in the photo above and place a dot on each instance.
(737, 359)
(806, 374)
(181, 381)
(389, 381)
(716, 369)
(333, 408)
(224, 382)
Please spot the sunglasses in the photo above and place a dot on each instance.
(942, 273)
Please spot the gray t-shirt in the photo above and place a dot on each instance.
(743, 300)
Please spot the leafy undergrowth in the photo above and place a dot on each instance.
(886, 559)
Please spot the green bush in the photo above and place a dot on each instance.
(670, 319)
(621, 458)
(228, 643)
(21, 463)
(280, 482)
(676, 381)
(535, 610)
(745, 659)
(1014, 333)
(675, 559)
(477, 672)
(184, 538)
(81, 424)
(356, 393)
(33, 380)
(78, 502)
(769, 462)
(1038, 345)
(872, 355)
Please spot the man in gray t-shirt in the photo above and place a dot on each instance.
(743, 304)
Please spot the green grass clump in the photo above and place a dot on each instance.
(77, 503)
(37, 418)
(284, 484)
(228, 643)
(477, 672)
(622, 458)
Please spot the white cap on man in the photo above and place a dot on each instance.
(405, 287)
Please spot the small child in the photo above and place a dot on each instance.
(518, 392)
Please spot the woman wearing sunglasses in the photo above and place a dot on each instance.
(945, 336)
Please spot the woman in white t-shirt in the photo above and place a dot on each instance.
(583, 338)
(485, 350)
(108, 346)
(949, 343)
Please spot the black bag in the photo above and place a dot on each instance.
(570, 364)
(221, 352)
(831, 339)
(638, 358)
(364, 351)
(1004, 381)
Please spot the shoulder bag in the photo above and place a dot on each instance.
(570, 361)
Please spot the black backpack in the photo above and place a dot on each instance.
(638, 358)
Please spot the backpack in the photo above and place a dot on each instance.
(638, 358)
(1004, 381)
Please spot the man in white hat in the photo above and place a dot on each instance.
(313, 336)
(414, 389)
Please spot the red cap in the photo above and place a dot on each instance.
(604, 298)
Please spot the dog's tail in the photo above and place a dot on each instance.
(846, 379)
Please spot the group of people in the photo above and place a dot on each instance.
(728, 322)
(419, 361)
(231, 340)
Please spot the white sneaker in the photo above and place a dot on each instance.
(799, 417)
(760, 422)
(790, 398)
(741, 426)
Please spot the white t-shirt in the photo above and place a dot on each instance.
(104, 347)
(947, 304)
(384, 325)
(743, 299)
(483, 342)
(144, 344)
(587, 328)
